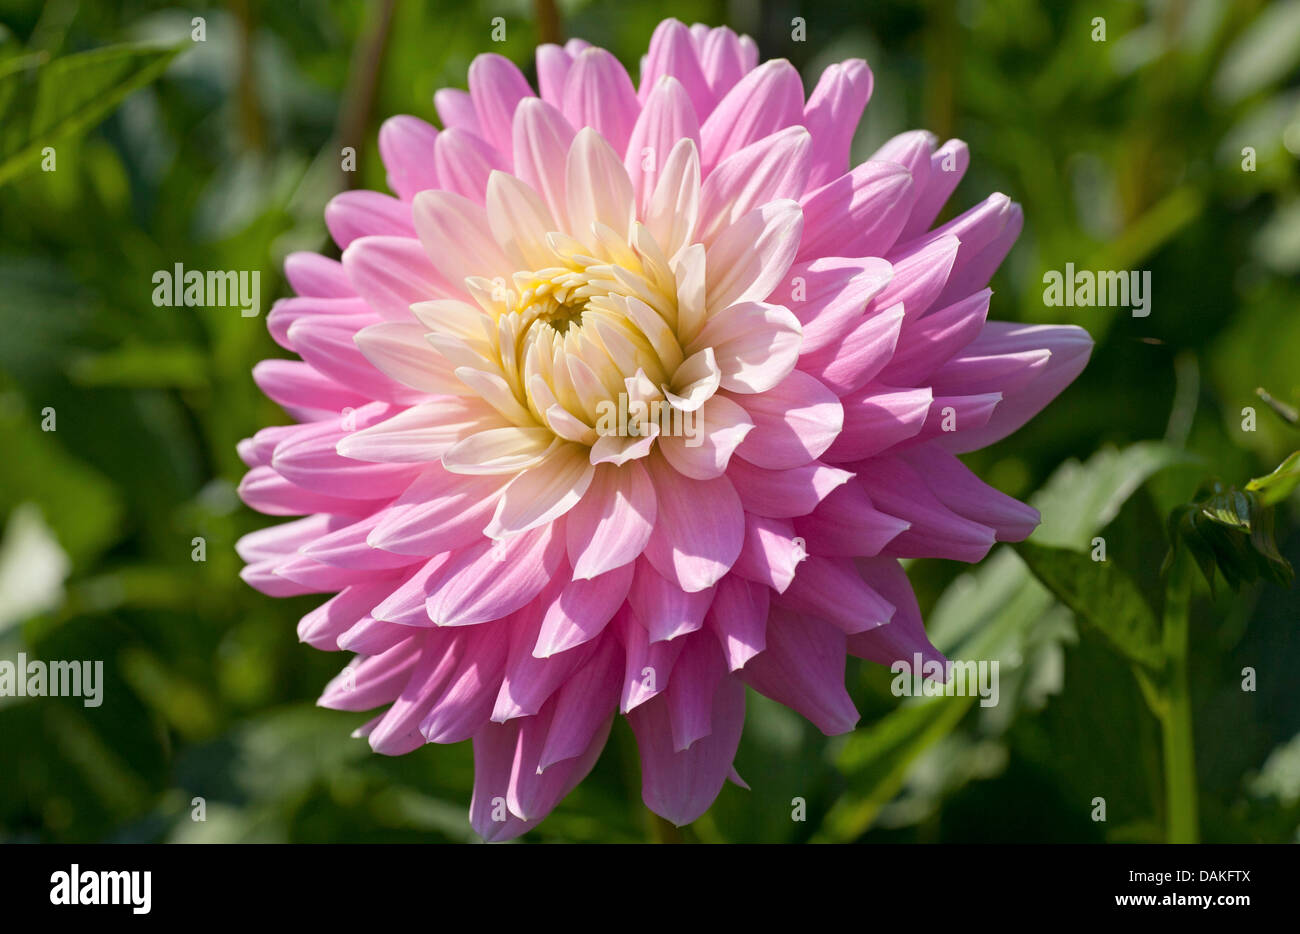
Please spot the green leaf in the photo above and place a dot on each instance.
(1103, 596)
(999, 612)
(78, 503)
(1280, 484)
(1264, 52)
(1233, 531)
(142, 366)
(41, 105)
(1080, 499)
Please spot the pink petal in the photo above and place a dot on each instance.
(770, 169)
(266, 491)
(876, 418)
(828, 296)
(947, 166)
(534, 792)
(954, 485)
(936, 531)
(699, 527)
(299, 387)
(463, 703)
(496, 86)
(391, 273)
(847, 524)
(584, 703)
(768, 99)
(905, 636)
(755, 345)
(347, 548)
(698, 671)
(974, 272)
(1070, 347)
(491, 579)
(975, 228)
(782, 494)
(312, 462)
(721, 60)
(406, 144)
(663, 608)
(680, 786)
(925, 344)
(832, 590)
(328, 344)
(771, 553)
(553, 64)
(529, 679)
(438, 512)
(831, 116)
(400, 352)
(321, 627)
(738, 617)
(666, 118)
(858, 214)
(354, 214)
(920, 274)
(539, 495)
(721, 427)
(672, 54)
(752, 255)
(456, 110)
(464, 161)
(599, 94)
(286, 312)
(582, 611)
(862, 353)
(647, 666)
(795, 422)
(374, 681)
(494, 758)
(316, 275)
(542, 138)
(612, 523)
(803, 668)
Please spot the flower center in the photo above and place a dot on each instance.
(554, 296)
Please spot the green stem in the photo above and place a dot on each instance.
(662, 831)
(1176, 719)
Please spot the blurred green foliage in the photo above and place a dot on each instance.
(1171, 146)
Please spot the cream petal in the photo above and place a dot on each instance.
(400, 351)
(695, 381)
(751, 256)
(597, 187)
(519, 221)
(457, 237)
(756, 345)
(498, 450)
(543, 493)
(496, 392)
(674, 208)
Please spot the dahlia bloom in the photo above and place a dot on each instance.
(794, 355)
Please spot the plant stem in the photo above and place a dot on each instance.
(662, 831)
(548, 21)
(1176, 719)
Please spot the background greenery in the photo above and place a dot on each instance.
(1126, 154)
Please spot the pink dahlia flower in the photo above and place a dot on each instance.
(632, 397)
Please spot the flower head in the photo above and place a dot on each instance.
(629, 399)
